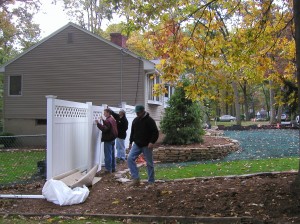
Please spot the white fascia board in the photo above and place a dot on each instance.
(149, 66)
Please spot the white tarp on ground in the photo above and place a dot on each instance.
(59, 193)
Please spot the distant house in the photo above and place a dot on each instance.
(74, 64)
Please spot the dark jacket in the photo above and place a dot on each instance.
(109, 129)
(122, 124)
(143, 131)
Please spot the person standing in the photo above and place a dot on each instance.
(122, 124)
(144, 133)
(109, 134)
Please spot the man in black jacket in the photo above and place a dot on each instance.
(122, 124)
(144, 133)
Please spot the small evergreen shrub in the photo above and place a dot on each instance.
(182, 121)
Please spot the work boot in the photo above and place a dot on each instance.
(135, 183)
(150, 185)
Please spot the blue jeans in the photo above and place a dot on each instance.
(109, 156)
(133, 155)
(120, 146)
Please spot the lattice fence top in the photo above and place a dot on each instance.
(97, 115)
(65, 111)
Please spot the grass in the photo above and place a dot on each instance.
(19, 165)
(224, 168)
(244, 123)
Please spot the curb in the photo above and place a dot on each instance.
(150, 218)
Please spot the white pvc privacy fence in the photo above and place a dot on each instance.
(73, 139)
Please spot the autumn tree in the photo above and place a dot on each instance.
(295, 187)
(18, 32)
(88, 14)
(229, 41)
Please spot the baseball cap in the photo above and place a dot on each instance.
(139, 108)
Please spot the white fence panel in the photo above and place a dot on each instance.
(67, 136)
(97, 155)
(73, 139)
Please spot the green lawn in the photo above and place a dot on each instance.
(224, 168)
(19, 165)
(244, 123)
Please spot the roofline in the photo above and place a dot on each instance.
(2, 68)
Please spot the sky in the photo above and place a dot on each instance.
(50, 18)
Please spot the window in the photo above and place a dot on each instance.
(168, 94)
(152, 80)
(169, 91)
(15, 85)
(40, 121)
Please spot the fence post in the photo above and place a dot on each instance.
(90, 136)
(123, 105)
(50, 116)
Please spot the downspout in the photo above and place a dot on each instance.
(121, 77)
(138, 80)
(22, 196)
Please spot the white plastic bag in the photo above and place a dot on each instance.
(59, 193)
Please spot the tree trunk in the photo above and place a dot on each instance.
(236, 103)
(266, 100)
(295, 187)
(279, 112)
(272, 102)
(244, 88)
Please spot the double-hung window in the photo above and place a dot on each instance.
(15, 85)
(152, 98)
(169, 92)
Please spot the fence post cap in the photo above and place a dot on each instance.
(51, 96)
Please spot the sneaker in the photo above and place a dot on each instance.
(135, 183)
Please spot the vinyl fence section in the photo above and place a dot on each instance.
(73, 139)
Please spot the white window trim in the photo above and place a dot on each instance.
(155, 102)
(170, 93)
(9, 86)
(152, 101)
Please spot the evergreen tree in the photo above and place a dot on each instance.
(182, 121)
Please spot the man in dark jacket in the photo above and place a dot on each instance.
(109, 134)
(122, 124)
(144, 133)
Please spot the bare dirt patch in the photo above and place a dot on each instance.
(264, 197)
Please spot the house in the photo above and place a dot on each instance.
(77, 65)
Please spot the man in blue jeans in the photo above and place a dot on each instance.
(109, 134)
(144, 133)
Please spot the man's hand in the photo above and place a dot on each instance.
(150, 146)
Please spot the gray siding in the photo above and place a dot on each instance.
(87, 70)
(156, 112)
